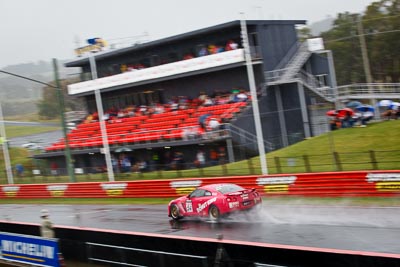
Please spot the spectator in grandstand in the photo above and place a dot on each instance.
(241, 96)
(131, 111)
(202, 97)
(214, 124)
(188, 56)
(213, 128)
(208, 102)
(212, 49)
(143, 110)
(158, 109)
(122, 113)
(221, 99)
(202, 120)
(231, 45)
(203, 52)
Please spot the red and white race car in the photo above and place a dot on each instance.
(214, 201)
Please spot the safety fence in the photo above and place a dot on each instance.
(307, 163)
(357, 183)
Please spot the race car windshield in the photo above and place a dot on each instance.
(228, 188)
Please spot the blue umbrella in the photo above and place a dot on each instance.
(394, 105)
(353, 104)
(365, 108)
(385, 103)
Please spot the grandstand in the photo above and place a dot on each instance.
(294, 80)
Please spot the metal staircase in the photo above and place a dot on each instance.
(248, 139)
(293, 66)
(308, 80)
(292, 72)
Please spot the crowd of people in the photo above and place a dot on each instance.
(360, 115)
(204, 50)
(174, 104)
(170, 160)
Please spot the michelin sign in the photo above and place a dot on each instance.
(32, 250)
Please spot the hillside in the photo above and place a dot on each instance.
(17, 92)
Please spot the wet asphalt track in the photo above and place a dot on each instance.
(369, 229)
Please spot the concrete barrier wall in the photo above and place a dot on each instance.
(337, 184)
(72, 243)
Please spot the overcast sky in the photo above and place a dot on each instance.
(33, 30)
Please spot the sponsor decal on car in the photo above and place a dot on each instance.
(201, 207)
(185, 187)
(233, 205)
(57, 190)
(278, 184)
(10, 191)
(114, 189)
(385, 181)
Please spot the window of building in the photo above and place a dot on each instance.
(322, 80)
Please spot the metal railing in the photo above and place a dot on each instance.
(369, 91)
(309, 80)
(125, 256)
(312, 83)
(246, 137)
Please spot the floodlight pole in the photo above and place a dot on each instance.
(6, 153)
(253, 92)
(104, 136)
(68, 157)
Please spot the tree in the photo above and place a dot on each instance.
(346, 49)
(49, 107)
(381, 23)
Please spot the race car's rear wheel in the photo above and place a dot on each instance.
(174, 210)
(214, 214)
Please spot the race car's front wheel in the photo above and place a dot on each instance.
(214, 213)
(174, 210)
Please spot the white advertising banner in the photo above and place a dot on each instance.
(195, 64)
(315, 44)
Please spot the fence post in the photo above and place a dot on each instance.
(374, 163)
(159, 171)
(201, 171)
(278, 165)
(337, 161)
(307, 163)
(251, 166)
(224, 169)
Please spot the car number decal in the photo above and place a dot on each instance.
(189, 206)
